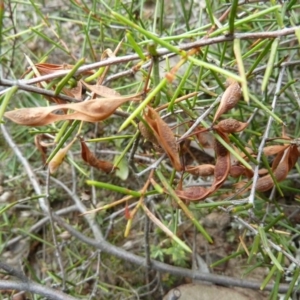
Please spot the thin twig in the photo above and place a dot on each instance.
(163, 267)
(13, 272)
(54, 238)
(31, 175)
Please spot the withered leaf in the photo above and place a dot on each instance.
(47, 68)
(88, 111)
(164, 136)
(93, 161)
(230, 98)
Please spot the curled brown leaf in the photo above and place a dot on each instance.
(75, 92)
(164, 136)
(204, 137)
(93, 161)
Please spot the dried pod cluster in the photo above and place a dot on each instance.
(157, 131)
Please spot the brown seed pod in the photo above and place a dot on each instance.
(264, 184)
(238, 170)
(147, 133)
(230, 126)
(229, 99)
(201, 170)
(193, 193)
(223, 163)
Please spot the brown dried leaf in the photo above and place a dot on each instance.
(89, 111)
(93, 161)
(164, 136)
(102, 90)
(201, 170)
(229, 99)
(39, 145)
(230, 126)
(46, 68)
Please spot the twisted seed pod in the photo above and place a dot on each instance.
(193, 193)
(223, 163)
(229, 99)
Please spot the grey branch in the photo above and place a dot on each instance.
(160, 52)
(106, 247)
(34, 288)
